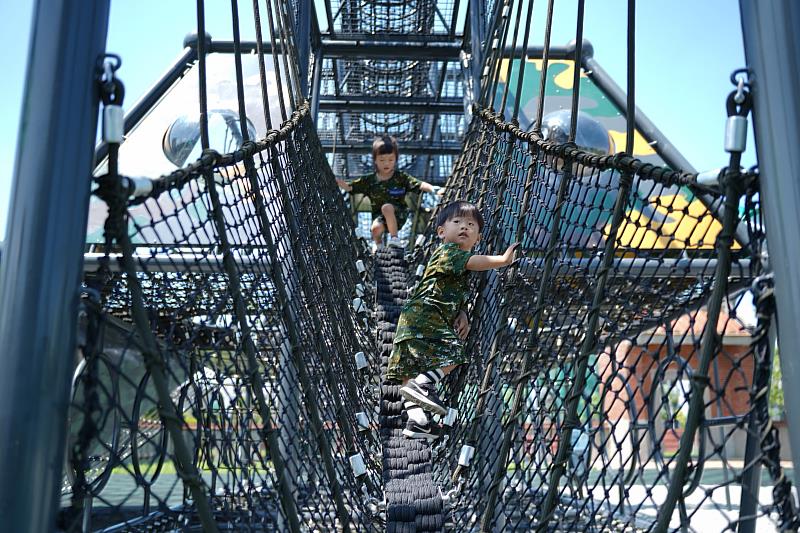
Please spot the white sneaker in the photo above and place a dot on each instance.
(397, 242)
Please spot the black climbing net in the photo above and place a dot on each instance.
(396, 19)
(233, 330)
(586, 352)
(211, 387)
(216, 373)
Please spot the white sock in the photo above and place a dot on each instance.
(431, 376)
(416, 413)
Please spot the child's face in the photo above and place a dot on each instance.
(385, 163)
(464, 231)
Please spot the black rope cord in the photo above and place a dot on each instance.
(537, 124)
(275, 62)
(282, 30)
(510, 66)
(262, 69)
(784, 502)
(734, 188)
(762, 426)
(88, 381)
(576, 77)
(491, 74)
(523, 62)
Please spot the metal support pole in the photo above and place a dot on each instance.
(477, 32)
(303, 35)
(42, 264)
(773, 57)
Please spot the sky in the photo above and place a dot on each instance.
(685, 52)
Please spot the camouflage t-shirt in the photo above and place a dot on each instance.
(392, 191)
(441, 294)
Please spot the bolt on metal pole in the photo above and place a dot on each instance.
(772, 50)
(41, 271)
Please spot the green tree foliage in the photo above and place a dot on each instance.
(776, 407)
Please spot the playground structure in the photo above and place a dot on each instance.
(232, 330)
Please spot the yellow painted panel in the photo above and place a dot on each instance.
(640, 145)
(689, 225)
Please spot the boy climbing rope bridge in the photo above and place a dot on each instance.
(386, 189)
(432, 326)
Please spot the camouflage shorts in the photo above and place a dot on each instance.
(413, 356)
(400, 214)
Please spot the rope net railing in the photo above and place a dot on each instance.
(575, 421)
(248, 340)
(219, 383)
(619, 377)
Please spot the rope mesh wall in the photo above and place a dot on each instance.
(382, 80)
(425, 81)
(290, 316)
(529, 345)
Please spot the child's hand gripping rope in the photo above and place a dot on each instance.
(461, 326)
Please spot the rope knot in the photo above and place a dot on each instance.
(210, 157)
(110, 189)
(566, 149)
(249, 147)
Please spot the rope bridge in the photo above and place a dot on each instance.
(234, 331)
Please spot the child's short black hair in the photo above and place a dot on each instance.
(385, 144)
(460, 208)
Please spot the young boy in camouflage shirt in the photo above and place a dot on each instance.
(386, 189)
(433, 324)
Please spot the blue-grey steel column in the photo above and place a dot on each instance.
(303, 35)
(772, 49)
(40, 274)
(477, 33)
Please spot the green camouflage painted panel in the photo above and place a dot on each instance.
(558, 96)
